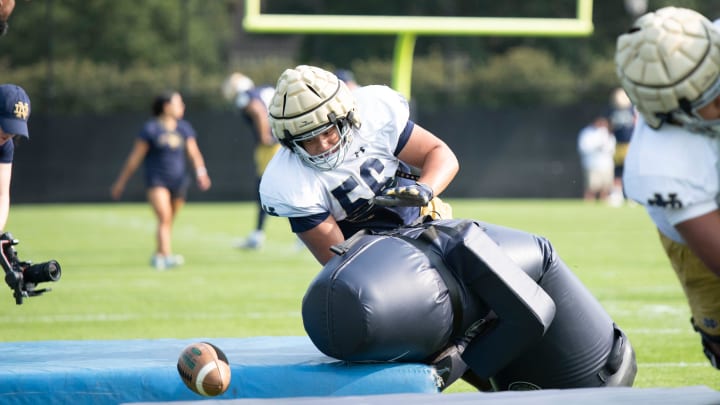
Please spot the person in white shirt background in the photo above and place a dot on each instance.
(596, 146)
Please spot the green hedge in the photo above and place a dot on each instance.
(522, 76)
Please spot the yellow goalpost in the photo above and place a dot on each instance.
(407, 28)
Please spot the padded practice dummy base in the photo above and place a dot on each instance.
(123, 371)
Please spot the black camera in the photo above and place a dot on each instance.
(23, 276)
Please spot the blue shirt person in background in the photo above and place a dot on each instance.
(14, 114)
(348, 77)
(162, 147)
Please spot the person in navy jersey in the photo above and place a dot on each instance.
(348, 77)
(14, 114)
(162, 147)
(252, 101)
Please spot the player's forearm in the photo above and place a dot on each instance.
(439, 169)
(4, 210)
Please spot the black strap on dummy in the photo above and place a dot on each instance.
(342, 248)
(524, 310)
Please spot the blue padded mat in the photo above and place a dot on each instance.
(697, 395)
(121, 371)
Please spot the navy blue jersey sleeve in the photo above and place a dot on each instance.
(186, 129)
(302, 224)
(148, 132)
(404, 137)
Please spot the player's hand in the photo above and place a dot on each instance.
(416, 195)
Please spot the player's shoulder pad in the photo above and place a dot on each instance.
(381, 105)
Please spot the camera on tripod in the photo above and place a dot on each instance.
(23, 276)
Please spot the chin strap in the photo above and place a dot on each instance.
(696, 124)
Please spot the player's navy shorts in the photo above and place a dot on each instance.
(178, 187)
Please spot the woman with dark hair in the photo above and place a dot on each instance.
(162, 147)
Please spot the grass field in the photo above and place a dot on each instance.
(108, 290)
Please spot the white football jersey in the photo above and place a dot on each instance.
(673, 173)
(289, 188)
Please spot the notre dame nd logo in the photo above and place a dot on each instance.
(659, 200)
(22, 110)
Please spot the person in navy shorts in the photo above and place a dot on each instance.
(163, 146)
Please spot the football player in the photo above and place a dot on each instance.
(347, 158)
(348, 77)
(669, 65)
(622, 122)
(253, 102)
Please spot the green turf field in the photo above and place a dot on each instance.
(109, 291)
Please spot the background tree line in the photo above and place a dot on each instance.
(99, 56)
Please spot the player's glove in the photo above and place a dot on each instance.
(416, 195)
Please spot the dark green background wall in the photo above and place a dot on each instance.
(526, 152)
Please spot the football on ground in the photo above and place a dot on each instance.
(204, 368)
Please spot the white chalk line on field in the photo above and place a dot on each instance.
(132, 317)
(674, 365)
(647, 310)
(663, 331)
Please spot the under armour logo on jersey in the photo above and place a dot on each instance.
(671, 202)
(270, 210)
(359, 152)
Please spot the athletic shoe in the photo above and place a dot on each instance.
(174, 260)
(158, 262)
(254, 241)
(161, 262)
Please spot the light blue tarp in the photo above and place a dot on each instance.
(697, 395)
(120, 371)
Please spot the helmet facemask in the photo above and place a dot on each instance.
(330, 158)
(688, 117)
